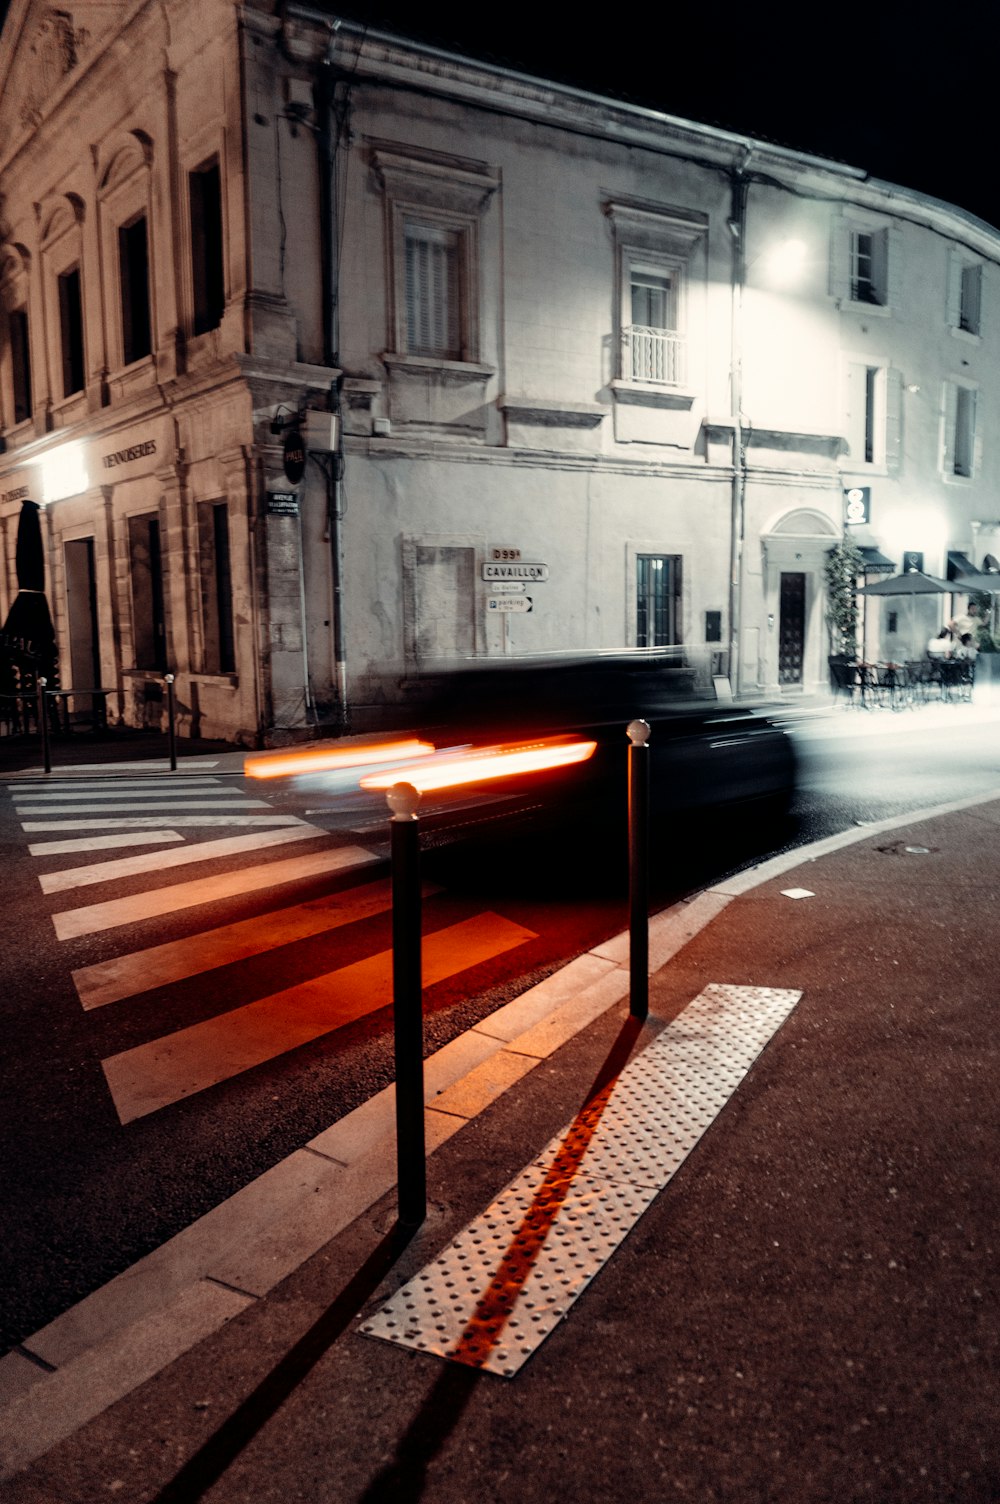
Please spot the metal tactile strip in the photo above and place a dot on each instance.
(511, 1276)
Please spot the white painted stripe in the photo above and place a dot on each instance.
(102, 843)
(105, 785)
(106, 795)
(115, 809)
(112, 769)
(511, 1276)
(157, 861)
(153, 822)
(154, 1075)
(118, 911)
(177, 960)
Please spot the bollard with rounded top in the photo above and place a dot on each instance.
(171, 732)
(43, 725)
(638, 867)
(407, 999)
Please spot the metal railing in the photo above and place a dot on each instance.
(653, 355)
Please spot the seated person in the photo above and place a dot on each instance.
(940, 646)
(966, 648)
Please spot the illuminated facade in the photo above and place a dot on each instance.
(335, 358)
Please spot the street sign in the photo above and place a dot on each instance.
(283, 503)
(507, 587)
(532, 572)
(519, 603)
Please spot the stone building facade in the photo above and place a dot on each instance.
(335, 358)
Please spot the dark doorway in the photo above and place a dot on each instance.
(791, 628)
(81, 609)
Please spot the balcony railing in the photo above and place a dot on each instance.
(652, 355)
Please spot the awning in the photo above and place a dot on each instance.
(959, 565)
(875, 562)
(977, 581)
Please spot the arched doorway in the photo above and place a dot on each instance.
(793, 551)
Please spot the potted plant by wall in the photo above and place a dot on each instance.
(843, 565)
(981, 610)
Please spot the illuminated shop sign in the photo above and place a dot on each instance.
(64, 472)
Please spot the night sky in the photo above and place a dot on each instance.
(905, 91)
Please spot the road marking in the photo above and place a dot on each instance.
(71, 923)
(101, 843)
(156, 861)
(510, 1277)
(150, 822)
(177, 960)
(132, 785)
(154, 1075)
(114, 809)
(209, 791)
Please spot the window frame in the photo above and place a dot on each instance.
(660, 239)
(126, 293)
(193, 320)
(218, 627)
(447, 194)
(63, 251)
(124, 197)
(961, 450)
(16, 381)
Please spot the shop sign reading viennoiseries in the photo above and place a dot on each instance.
(126, 456)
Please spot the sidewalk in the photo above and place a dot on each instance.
(806, 1311)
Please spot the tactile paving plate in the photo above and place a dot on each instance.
(510, 1277)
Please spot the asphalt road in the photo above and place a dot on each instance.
(101, 1166)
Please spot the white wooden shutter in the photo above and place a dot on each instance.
(840, 260)
(953, 312)
(948, 437)
(855, 393)
(893, 420)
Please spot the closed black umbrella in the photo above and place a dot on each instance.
(28, 638)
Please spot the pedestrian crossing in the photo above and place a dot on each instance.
(91, 816)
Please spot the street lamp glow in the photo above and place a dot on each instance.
(787, 260)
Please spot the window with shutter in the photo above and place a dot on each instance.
(971, 290)
(870, 267)
(433, 302)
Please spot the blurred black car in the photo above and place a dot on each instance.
(706, 758)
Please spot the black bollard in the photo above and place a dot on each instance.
(43, 726)
(171, 731)
(407, 995)
(638, 868)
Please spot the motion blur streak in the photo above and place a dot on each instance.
(482, 764)
(330, 759)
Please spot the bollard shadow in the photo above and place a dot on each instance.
(403, 1479)
(207, 1465)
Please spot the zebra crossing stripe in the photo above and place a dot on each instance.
(231, 801)
(154, 1075)
(71, 923)
(102, 843)
(177, 960)
(108, 785)
(155, 822)
(106, 795)
(156, 861)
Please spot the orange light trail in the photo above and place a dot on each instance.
(481, 764)
(332, 759)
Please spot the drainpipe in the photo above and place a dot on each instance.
(330, 291)
(739, 186)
